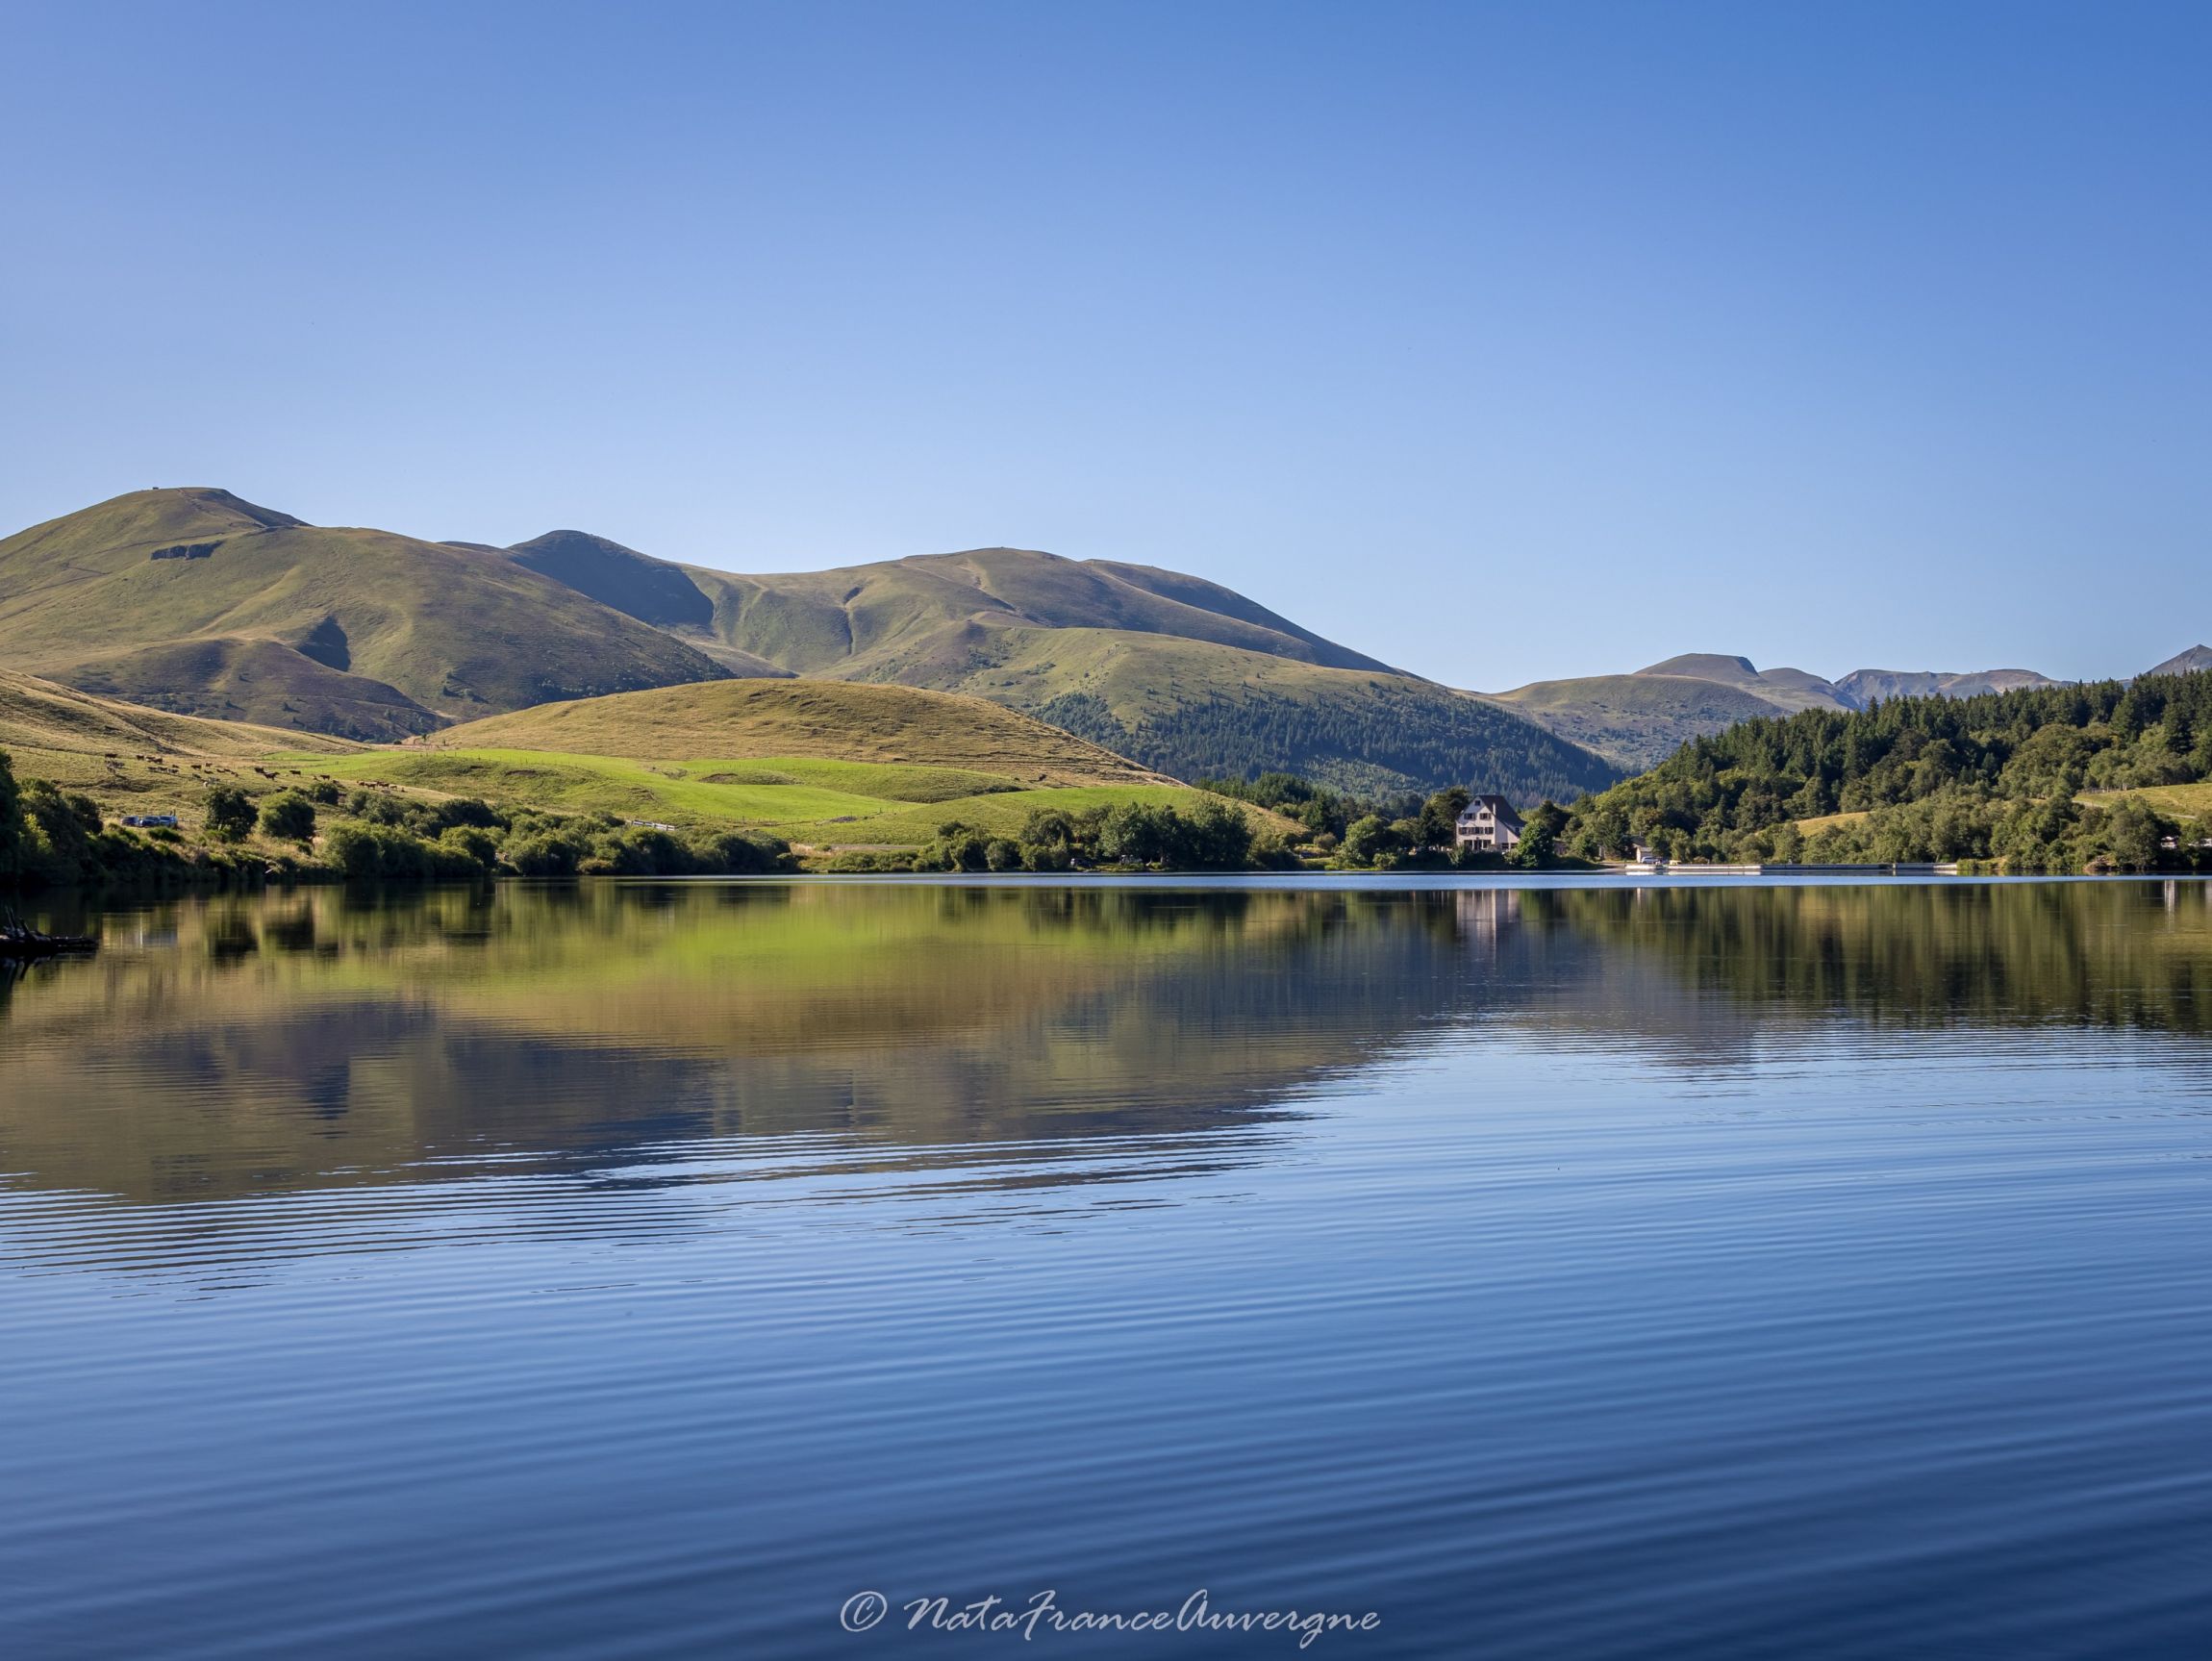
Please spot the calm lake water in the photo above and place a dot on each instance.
(1572, 1270)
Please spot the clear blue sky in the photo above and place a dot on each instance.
(1455, 332)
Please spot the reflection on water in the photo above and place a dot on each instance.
(227, 1047)
(1573, 1269)
(218, 1048)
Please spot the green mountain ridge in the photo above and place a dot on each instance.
(1181, 675)
(853, 620)
(197, 601)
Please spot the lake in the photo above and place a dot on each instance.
(1573, 1269)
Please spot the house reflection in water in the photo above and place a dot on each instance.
(1487, 915)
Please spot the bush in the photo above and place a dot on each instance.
(1533, 849)
(958, 846)
(230, 813)
(1366, 841)
(375, 850)
(543, 854)
(1214, 836)
(471, 844)
(1135, 833)
(288, 816)
(55, 841)
(637, 853)
(1047, 856)
(854, 861)
(1438, 826)
(11, 819)
(641, 851)
(375, 809)
(436, 819)
(1540, 836)
(740, 853)
(1050, 840)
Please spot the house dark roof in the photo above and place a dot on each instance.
(1499, 808)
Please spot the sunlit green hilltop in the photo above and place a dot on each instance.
(195, 601)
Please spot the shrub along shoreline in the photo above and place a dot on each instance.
(50, 838)
(2003, 782)
(326, 832)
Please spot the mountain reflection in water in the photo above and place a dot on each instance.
(220, 1047)
(1561, 1268)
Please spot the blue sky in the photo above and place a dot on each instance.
(1502, 341)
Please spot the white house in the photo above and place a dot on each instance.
(1489, 824)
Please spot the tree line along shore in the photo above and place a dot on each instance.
(2108, 776)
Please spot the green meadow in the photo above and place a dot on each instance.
(808, 800)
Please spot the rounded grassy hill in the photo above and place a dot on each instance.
(832, 720)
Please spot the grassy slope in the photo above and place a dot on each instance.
(2176, 801)
(857, 805)
(826, 763)
(827, 719)
(1193, 708)
(1198, 679)
(262, 682)
(858, 620)
(651, 590)
(1637, 720)
(1784, 688)
(1193, 678)
(378, 636)
(311, 619)
(43, 714)
(1139, 677)
(832, 763)
(140, 760)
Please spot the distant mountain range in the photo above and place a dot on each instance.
(2194, 661)
(195, 601)
(198, 602)
(1638, 719)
